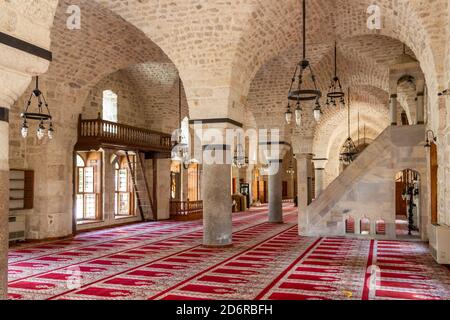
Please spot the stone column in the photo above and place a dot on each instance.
(275, 191)
(216, 195)
(4, 200)
(163, 188)
(17, 68)
(420, 108)
(319, 181)
(393, 109)
(319, 174)
(249, 180)
(184, 181)
(304, 167)
(108, 186)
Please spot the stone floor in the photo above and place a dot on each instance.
(165, 260)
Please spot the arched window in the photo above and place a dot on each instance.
(80, 161)
(109, 106)
(88, 175)
(125, 199)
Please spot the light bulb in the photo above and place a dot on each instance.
(24, 130)
(317, 114)
(288, 116)
(40, 131)
(298, 116)
(51, 132)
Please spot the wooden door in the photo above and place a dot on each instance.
(400, 204)
(285, 190)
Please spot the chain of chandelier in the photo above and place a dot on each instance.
(300, 94)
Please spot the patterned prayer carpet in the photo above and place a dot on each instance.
(166, 261)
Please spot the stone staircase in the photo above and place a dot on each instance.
(366, 189)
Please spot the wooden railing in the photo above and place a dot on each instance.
(186, 210)
(97, 132)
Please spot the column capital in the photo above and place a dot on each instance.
(274, 151)
(320, 163)
(307, 156)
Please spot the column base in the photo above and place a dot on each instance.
(276, 222)
(217, 246)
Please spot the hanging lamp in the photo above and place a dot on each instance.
(240, 160)
(181, 148)
(349, 151)
(335, 93)
(42, 115)
(297, 93)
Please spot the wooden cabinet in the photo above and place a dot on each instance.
(21, 189)
(21, 195)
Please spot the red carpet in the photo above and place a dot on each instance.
(166, 260)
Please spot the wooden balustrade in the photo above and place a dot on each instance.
(186, 210)
(95, 133)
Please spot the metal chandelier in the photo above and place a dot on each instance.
(298, 93)
(42, 115)
(335, 93)
(349, 152)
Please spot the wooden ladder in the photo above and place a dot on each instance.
(143, 196)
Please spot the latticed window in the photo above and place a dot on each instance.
(86, 206)
(124, 191)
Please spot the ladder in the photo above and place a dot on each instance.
(144, 199)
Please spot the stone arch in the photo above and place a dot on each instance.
(410, 182)
(401, 21)
(82, 58)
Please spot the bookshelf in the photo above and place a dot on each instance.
(21, 189)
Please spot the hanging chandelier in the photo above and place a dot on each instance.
(240, 160)
(42, 115)
(290, 170)
(180, 151)
(349, 151)
(298, 93)
(335, 93)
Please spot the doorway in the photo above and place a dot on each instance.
(407, 204)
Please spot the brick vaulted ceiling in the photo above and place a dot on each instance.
(257, 43)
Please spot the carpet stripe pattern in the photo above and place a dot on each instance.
(166, 261)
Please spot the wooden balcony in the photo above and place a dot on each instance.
(94, 134)
(186, 210)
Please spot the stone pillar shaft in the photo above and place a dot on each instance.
(4, 204)
(275, 192)
(393, 109)
(420, 108)
(249, 180)
(304, 172)
(319, 181)
(217, 205)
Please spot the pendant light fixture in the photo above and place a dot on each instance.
(297, 92)
(240, 160)
(335, 93)
(42, 115)
(181, 148)
(349, 150)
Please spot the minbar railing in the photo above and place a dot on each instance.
(96, 133)
(186, 210)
